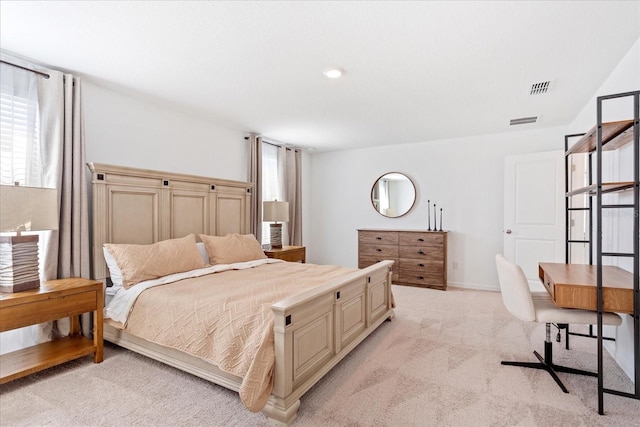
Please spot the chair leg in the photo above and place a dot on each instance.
(547, 364)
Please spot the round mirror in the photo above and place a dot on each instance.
(393, 194)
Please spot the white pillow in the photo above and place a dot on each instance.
(114, 270)
(203, 252)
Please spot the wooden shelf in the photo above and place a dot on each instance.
(614, 135)
(32, 359)
(607, 187)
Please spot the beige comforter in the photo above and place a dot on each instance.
(225, 318)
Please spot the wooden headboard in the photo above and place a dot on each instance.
(144, 206)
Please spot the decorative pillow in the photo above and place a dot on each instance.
(232, 248)
(114, 270)
(144, 262)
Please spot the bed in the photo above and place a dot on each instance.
(327, 313)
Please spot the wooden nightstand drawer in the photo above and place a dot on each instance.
(288, 253)
(35, 312)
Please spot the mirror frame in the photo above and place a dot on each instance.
(415, 194)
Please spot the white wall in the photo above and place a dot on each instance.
(133, 131)
(463, 176)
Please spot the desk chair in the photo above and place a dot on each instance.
(539, 307)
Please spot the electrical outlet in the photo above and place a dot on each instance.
(455, 265)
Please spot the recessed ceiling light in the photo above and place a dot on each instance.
(333, 73)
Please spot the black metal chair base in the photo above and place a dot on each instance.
(546, 363)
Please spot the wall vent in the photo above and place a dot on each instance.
(523, 120)
(540, 88)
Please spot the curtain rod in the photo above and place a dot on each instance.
(246, 138)
(45, 75)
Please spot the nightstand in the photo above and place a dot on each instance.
(288, 253)
(54, 299)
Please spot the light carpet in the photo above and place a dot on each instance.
(436, 364)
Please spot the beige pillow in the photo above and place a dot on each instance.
(144, 262)
(232, 248)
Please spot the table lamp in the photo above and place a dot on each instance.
(275, 212)
(23, 209)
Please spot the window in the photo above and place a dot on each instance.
(20, 160)
(20, 154)
(272, 180)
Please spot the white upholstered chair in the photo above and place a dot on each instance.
(539, 307)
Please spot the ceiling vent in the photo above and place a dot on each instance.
(523, 120)
(540, 88)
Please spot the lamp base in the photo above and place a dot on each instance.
(276, 235)
(19, 263)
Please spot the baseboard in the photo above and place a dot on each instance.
(624, 358)
(473, 286)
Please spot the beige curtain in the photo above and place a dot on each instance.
(255, 177)
(293, 187)
(67, 252)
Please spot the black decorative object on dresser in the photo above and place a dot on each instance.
(420, 257)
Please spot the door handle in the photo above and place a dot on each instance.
(508, 231)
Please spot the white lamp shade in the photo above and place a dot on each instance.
(275, 211)
(28, 208)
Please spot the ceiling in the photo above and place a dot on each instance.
(414, 71)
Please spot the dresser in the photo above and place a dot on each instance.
(420, 257)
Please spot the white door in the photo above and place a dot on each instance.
(534, 211)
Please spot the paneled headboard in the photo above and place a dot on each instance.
(144, 206)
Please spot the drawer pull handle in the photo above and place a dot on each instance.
(420, 277)
(421, 240)
(378, 249)
(420, 253)
(378, 238)
(420, 265)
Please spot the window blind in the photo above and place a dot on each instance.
(20, 152)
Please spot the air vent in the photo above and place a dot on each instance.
(523, 120)
(540, 88)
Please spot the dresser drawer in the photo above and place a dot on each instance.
(420, 239)
(379, 251)
(366, 261)
(420, 266)
(378, 237)
(426, 252)
(428, 278)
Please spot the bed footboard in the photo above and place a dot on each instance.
(318, 328)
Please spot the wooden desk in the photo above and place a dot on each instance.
(574, 286)
(54, 299)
